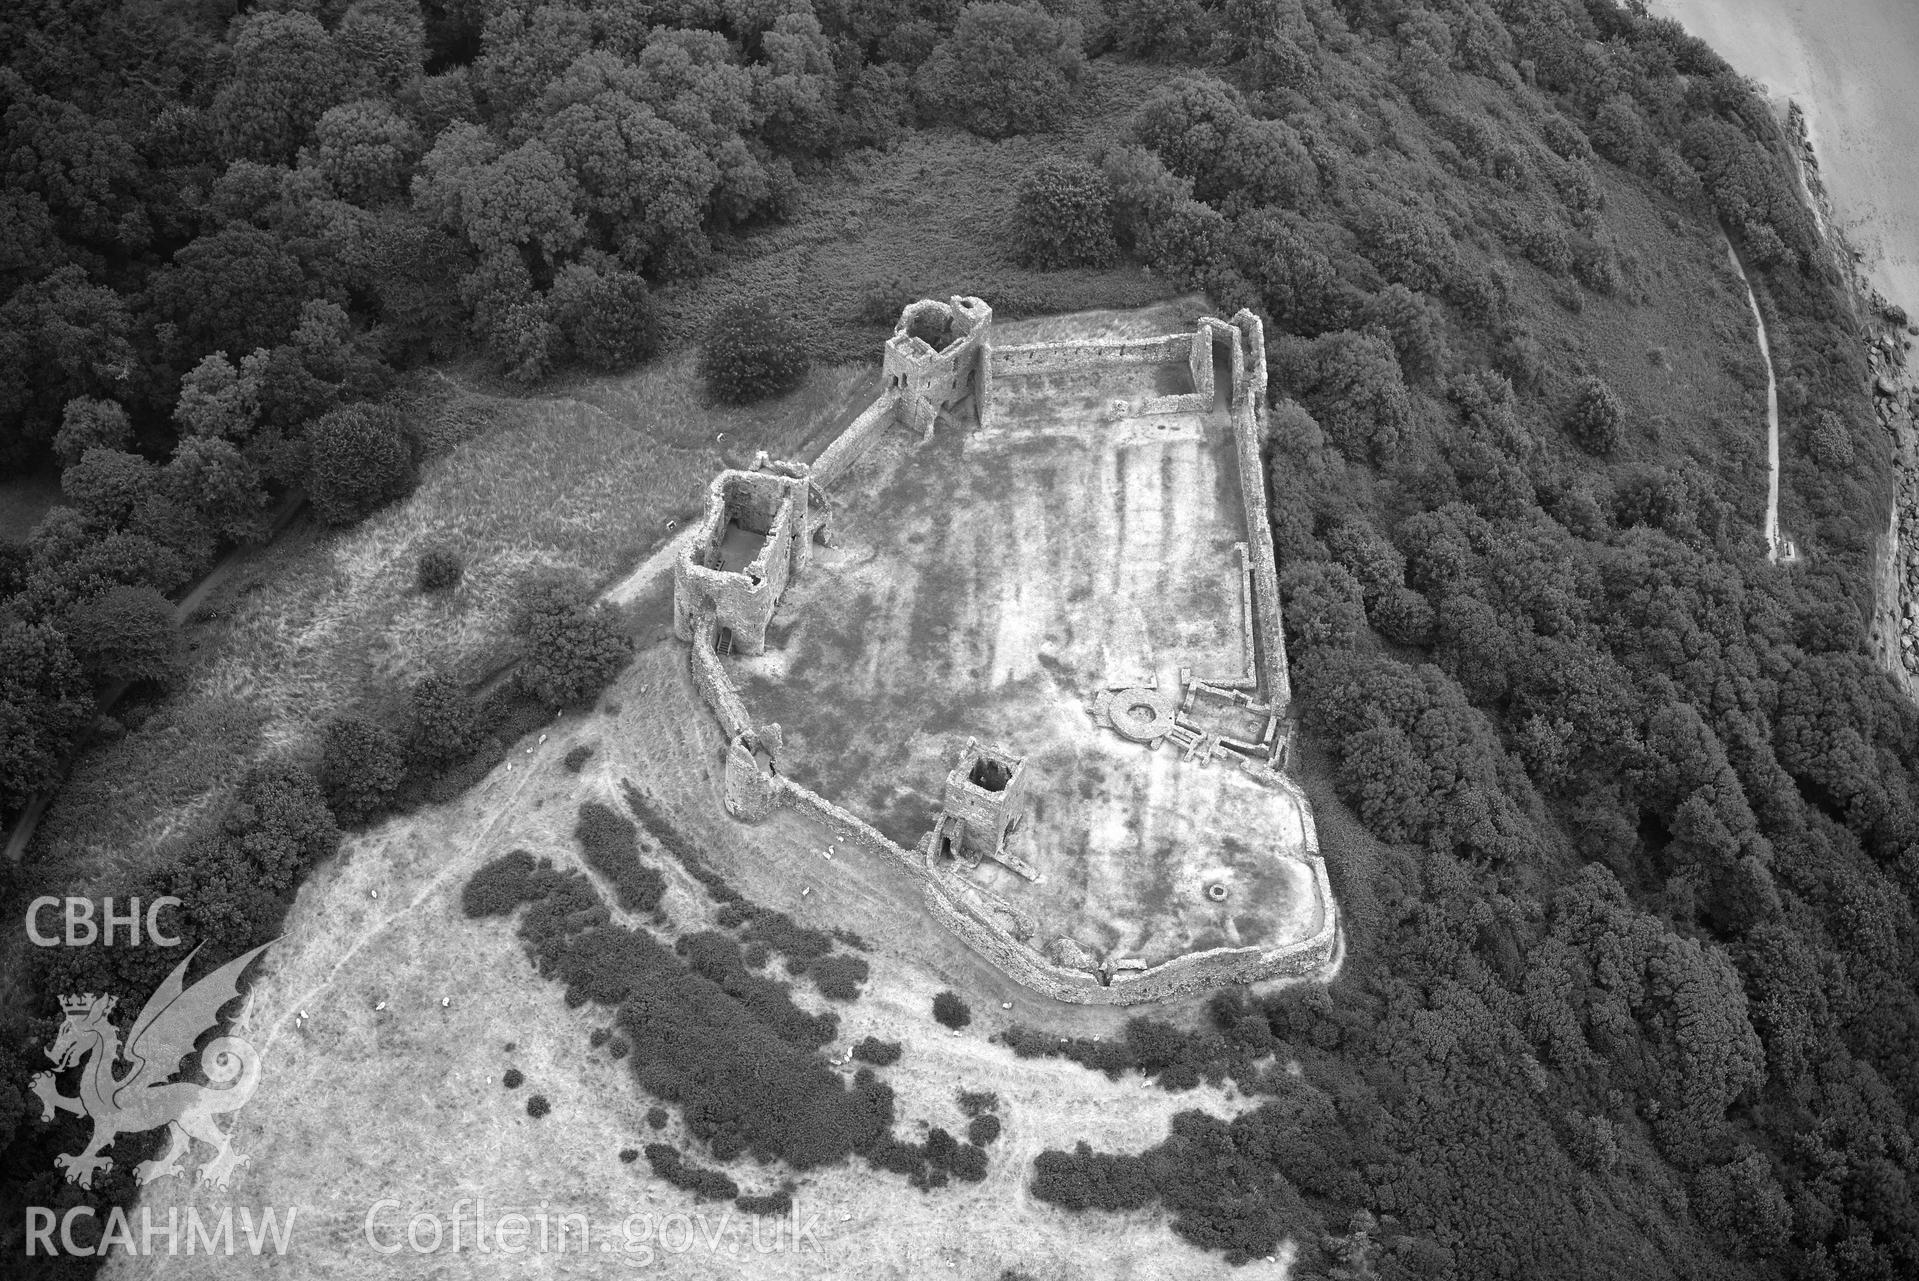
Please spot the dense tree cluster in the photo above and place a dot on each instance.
(1630, 814)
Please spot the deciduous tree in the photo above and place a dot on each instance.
(359, 458)
(1063, 215)
(570, 647)
(1005, 69)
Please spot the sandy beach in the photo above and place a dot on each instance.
(1849, 64)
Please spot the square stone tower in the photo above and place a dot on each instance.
(986, 797)
(938, 357)
(757, 534)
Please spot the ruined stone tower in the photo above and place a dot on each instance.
(758, 533)
(984, 799)
(937, 358)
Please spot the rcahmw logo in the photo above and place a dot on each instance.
(145, 1098)
(191, 1233)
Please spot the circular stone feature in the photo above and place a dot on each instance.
(1216, 892)
(1142, 714)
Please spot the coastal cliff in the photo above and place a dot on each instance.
(1888, 334)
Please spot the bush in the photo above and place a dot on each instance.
(445, 725)
(124, 634)
(440, 569)
(1200, 127)
(982, 1130)
(1355, 390)
(839, 976)
(1596, 417)
(606, 317)
(1411, 322)
(280, 819)
(1144, 191)
(1323, 606)
(537, 1106)
(877, 1052)
(576, 758)
(1063, 216)
(752, 352)
(778, 1201)
(950, 1011)
(612, 849)
(365, 151)
(629, 1155)
(777, 1098)
(219, 484)
(1004, 69)
(107, 484)
(657, 1117)
(360, 769)
(86, 423)
(570, 647)
(513, 1079)
(1520, 357)
(358, 459)
(1830, 442)
(1168, 30)
(1403, 615)
(977, 1102)
(882, 303)
(968, 1162)
(705, 1185)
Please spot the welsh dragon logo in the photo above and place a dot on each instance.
(145, 1097)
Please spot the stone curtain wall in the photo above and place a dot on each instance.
(1199, 360)
(968, 914)
(1062, 357)
(715, 686)
(851, 445)
(846, 825)
(1249, 401)
(1190, 975)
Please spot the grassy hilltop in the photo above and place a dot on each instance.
(1621, 817)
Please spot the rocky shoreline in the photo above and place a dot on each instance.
(1889, 340)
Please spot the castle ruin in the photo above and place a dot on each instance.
(1223, 705)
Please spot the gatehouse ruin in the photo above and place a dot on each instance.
(1017, 628)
